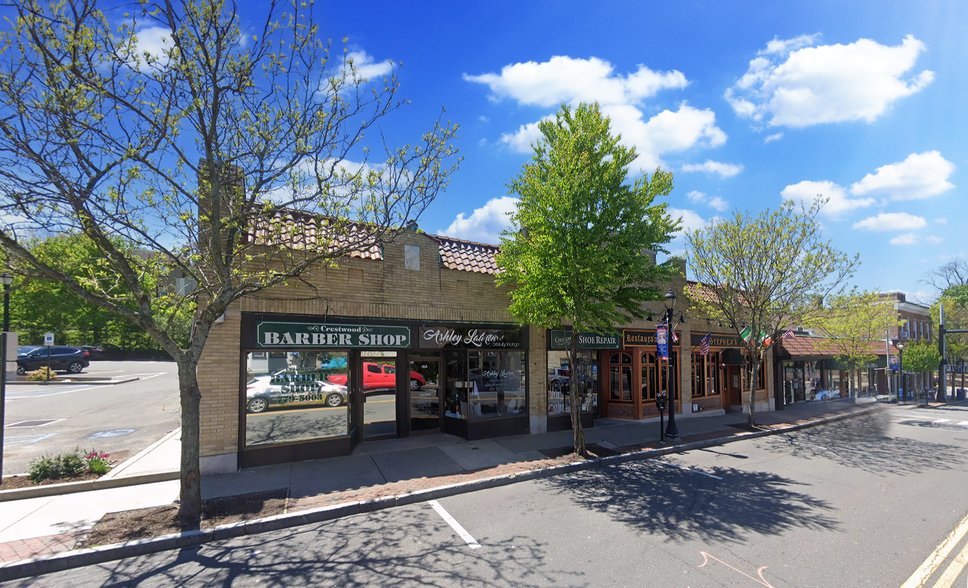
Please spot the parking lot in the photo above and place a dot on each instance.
(119, 419)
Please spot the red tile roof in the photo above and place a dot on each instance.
(821, 346)
(467, 256)
(303, 229)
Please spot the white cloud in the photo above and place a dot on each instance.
(719, 204)
(905, 239)
(696, 196)
(569, 80)
(366, 68)
(941, 221)
(838, 202)
(827, 83)
(774, 137)
(921, 175)
(783, 47)
(725, 170)
(691, 221)
(934, 239)
(564, 79)
(892, 221)
(485, 224)
(483, 118)
(701, 198)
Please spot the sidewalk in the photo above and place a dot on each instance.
(44, 526)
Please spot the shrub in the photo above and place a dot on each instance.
(42, 375)
(68, 465)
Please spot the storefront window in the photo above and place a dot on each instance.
(620, 377)
(712, 374)
(303, 398)
(455, 393)
(497, 384)
(649, 381)
(560, 381)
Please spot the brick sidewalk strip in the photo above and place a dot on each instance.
(19, 559)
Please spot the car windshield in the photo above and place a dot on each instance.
(25, 349)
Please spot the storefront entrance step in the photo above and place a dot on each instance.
(480, 454)
(415, 463)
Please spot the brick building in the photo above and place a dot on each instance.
(415, 338)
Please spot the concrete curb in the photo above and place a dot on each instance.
(112, 479)
(84, 557)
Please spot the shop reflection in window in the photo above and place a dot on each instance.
(303, 395)
(496, 384)
(649, 379)
(561, 380)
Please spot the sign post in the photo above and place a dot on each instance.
(48, 343)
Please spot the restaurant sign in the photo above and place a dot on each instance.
(470, 337)
(637, 338)
(561, 339)
(331, 336)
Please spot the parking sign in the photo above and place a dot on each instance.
(48, 339)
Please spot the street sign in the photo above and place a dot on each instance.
(48, 339)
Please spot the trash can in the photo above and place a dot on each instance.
(960, 395)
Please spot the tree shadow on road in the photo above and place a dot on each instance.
(661, 499)
(864, 443)
(411, 546)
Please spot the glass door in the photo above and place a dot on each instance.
(425, 397)
(379, 394)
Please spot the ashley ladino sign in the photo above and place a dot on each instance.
(331, 336)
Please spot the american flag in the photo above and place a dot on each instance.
(789, 335)
(704, 345)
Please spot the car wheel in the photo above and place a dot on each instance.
(334, 400)
(414, 384)
(21, 370)
(76, 367)
(257, 404)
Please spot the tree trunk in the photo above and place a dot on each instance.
(754, 369)
(190, 496)
(574, 393)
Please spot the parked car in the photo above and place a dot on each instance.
(289, 386)
(558, 379)
(378, 376)
(93, 351)
(64, 359)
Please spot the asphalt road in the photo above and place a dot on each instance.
(119, 419)
(858, 503)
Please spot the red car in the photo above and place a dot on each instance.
(377, 376)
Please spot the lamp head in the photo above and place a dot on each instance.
(900, 345)
(669, 300)
(6, 279)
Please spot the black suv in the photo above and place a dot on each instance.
(65, 359)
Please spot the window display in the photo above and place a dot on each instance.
(496, 384)
(306, 399)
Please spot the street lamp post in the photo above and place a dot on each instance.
(672, 432)
(6, 279)
(900, 370)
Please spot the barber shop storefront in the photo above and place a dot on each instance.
(318, 388)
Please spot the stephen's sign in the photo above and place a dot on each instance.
(718, 340)
(472, 337)
(561, 339)
(331, 336)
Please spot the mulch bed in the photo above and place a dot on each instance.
(19, 482)
(130, 525)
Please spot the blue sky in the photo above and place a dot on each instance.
(747, 103)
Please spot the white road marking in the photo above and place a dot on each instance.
(471, 542)
(921, 575)
(685, 469)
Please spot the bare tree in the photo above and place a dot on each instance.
(235, 156)
(953, 273)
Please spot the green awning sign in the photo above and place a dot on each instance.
(561, 339)
(331, 336)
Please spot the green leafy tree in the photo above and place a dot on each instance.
(921, 357)
(581, 258)
(854, 322)
(203, 152)
(765, 274)
(955, 300)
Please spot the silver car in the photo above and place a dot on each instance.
(287, 387)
